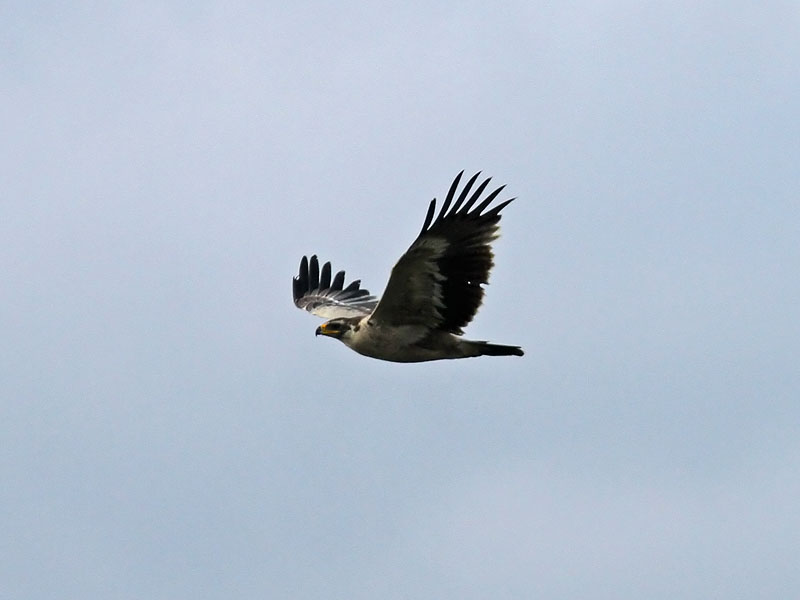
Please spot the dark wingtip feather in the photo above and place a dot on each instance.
(325, 278)
(496, 209)
(449, 198)
(313, 273)
(487, 201)
(300, 283)
(297, 290)
(354, 285)
(338, 281)
(428, 217)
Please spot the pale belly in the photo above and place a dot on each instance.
(402, 344)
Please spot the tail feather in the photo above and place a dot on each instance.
(487, 349)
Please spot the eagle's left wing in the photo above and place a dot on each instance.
(320, 296)
(438, 282)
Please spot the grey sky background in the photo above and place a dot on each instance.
(170, 426)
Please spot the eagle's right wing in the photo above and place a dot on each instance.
(328, 299)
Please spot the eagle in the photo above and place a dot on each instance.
(434, 290)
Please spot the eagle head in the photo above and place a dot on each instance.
(340, 328)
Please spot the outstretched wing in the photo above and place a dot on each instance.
(320, 296)
(438, 282)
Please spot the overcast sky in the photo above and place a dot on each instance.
(170, 427)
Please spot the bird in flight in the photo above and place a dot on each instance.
(434, 290)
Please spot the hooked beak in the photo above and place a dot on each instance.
(326, 330)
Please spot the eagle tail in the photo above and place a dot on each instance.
(487, 349)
